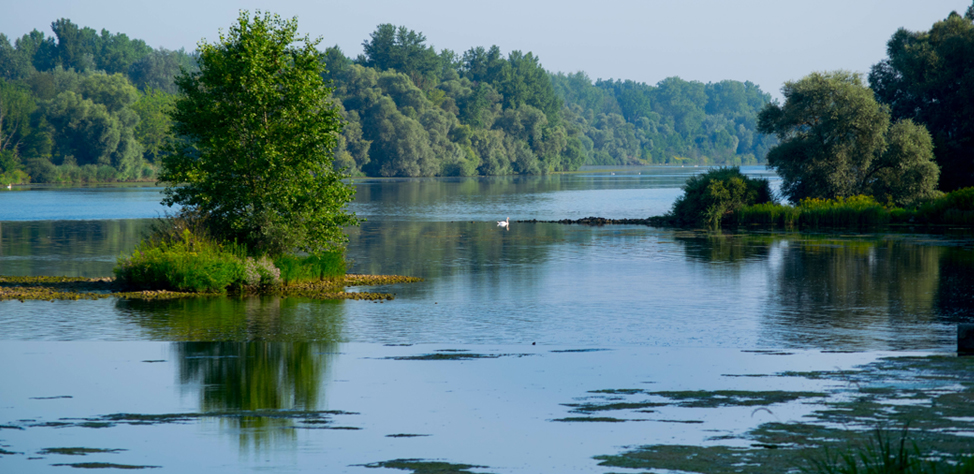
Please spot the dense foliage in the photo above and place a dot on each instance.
(410, 110)
(928, 77)
(413, 111)
(83, 106)
(259, 131)
(837, 141)
(711, 197)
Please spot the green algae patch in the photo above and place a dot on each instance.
(104, 465)
(47, 288)
(917, 408)
(77, 451)
(420, 466)
(597, 407)
(590, 419)
(455, 356)
(732, 398)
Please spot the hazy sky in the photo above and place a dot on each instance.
(763, 41)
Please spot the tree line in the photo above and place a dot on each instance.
(82, 105)
(414, 111)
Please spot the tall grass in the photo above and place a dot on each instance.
(885, 454)
(297, 269)
(952, 209)
(178, 254)
(859, 212)
(190, 263)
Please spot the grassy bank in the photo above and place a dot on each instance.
(955, 209)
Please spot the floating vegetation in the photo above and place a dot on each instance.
(579, 350)
(405, 435)
(731, 398)
(595, 407)
(112, 420)
(420, 466)
(596, 419)
(854, 432)
(77, 451)
(454, 356)
(77, 288)
(4, 452)
(105, 465)
(56, 397)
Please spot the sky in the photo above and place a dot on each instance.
(766, 42)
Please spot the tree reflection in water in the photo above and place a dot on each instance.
(257, 383)
(850, 292)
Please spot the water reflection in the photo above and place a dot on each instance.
(266, 318)
(68, 248)
(717, 247)
(262, 383)
(825, 291)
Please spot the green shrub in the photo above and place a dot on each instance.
(710, 197)
(190, 263)
(954, 208)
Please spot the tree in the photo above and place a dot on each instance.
(836, 141)
(260, 132)
(927, 77)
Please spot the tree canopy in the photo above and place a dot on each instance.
(927, 77)
(837, 141)
(260, 130)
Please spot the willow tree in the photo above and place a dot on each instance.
(259, 131)
(837, 141)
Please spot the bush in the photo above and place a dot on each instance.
(954, 208)
(190, 263)
(710, 197)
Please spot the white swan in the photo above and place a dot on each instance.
(504, 223)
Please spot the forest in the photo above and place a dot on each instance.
(88, 106)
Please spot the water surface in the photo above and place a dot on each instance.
(551, 312)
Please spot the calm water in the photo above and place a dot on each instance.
(669, 307)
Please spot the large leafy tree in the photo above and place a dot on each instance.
(260, 132)
(837, 141)
(928, 78)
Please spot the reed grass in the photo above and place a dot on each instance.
(298, 269)
(191, 263)
(858, 212)
(861, 212)
(885, 453)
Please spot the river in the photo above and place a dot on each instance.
(546, 313)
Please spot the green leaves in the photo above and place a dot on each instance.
(837, 141)
(260, 133)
